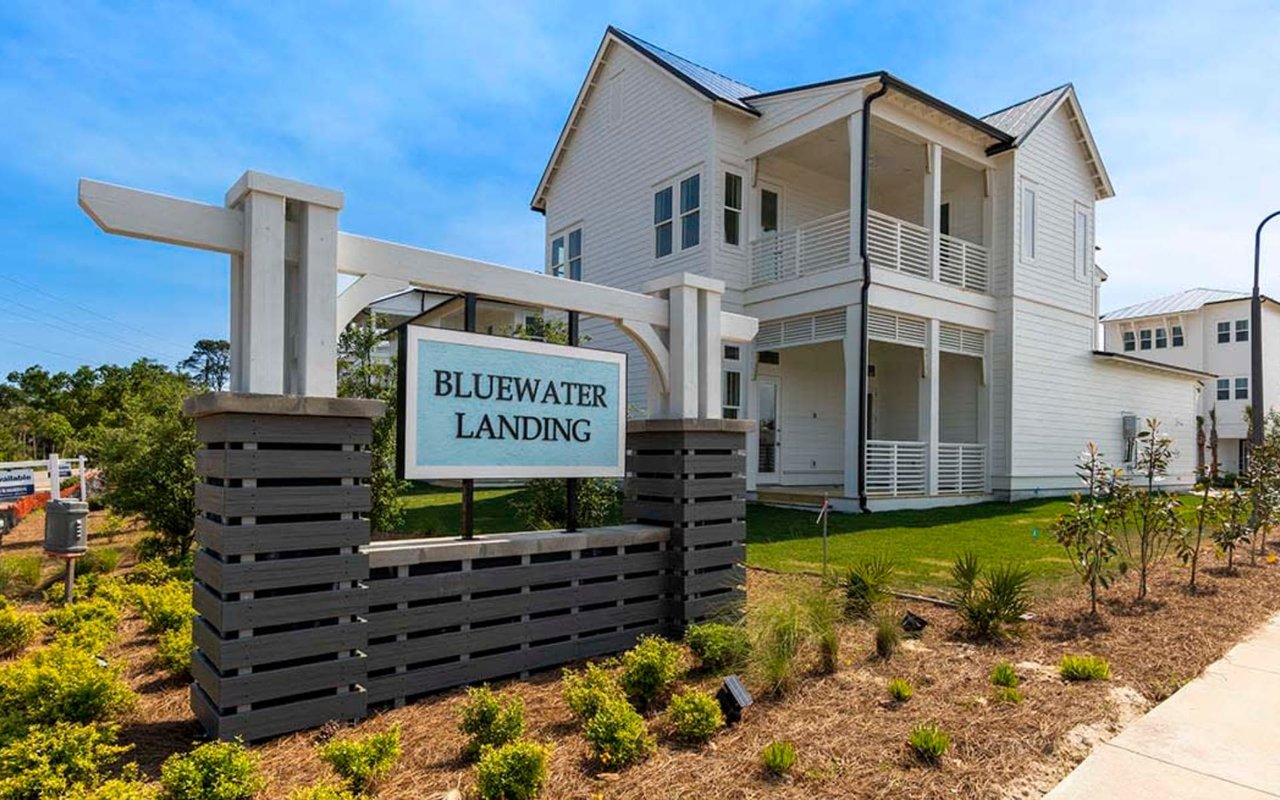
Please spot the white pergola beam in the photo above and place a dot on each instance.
(145, 215)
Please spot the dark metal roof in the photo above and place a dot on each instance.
(708, 82)
(1020, 119)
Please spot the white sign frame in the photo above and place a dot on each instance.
(411, 470)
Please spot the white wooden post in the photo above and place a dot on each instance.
(933, 205)
(55, 484)
(930, 402)
(261, 315)
(694, 332)
(710, 353)
(853, 421)
(856, 211)
(84, 490)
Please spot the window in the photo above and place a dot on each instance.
(1242, 330)
(1224, 332)
(1162, 338)
(1145, 337)
(1242, 388)
(1082, 242)
(768, 210)
(732, 208)
(567, 261)
(557, 257)
(575, 255)
(1028, 222)
(731, 394)
(944, 219)
(767, 357)
(1224, 388)
(1129, 342)
(1178, 339)
(690, 217)
(732, 352)
(662, 223)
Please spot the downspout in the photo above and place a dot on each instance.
(866, 288)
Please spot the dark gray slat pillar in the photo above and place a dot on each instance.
(280, 571)
(692, 475)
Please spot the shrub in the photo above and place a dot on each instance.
(617, 734)
(778, 757)
(778, 632)
(164, 607)
(1008, 694)
(888, 636)
(587, 691)
(649, 669)
(1004, 675)
(489, 721)
(694, 716)
(822, 617)
(719, 647)
(323, 792)
(19, 575)
(118, 789)
(543, 503)
(929, 742)
(111, 525)
(900, 690)
(98, 560)
(155, 571)
(61, 684)
(515, 771)
(212, 771)
(88, 625)
(52, 760)
(866, 585)
(174, 648)
(1084, 668)
(18, 629)
(993, 602)
(965, 572)
(364, 761)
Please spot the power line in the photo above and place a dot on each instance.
(44, 350)
(41, 318)
(77, 324)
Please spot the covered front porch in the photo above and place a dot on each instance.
(926, 409)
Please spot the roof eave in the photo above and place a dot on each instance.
(1142, 363)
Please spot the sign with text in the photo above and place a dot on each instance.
(15, 483)
(478, 406)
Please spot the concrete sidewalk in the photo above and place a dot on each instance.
(1217, 738)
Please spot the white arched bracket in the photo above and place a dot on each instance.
(654, 349)
(357, 297)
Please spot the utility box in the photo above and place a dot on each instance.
(1129, 423)
(66, 527)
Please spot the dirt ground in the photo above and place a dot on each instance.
(850, 738)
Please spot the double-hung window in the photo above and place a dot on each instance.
(690, 216)
(1178, 339)
(1130, 342)
(731, 390)
(575, 255)
(662, 225)
(557, 257)
(689, 211)
(1242, 330)
(1224, 332)
(1162, 339)
(732, 208)
(1224, 388)
(1242, 388)
(566, 255)
(1144, 336)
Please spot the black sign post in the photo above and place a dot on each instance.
(468, 484)
(571, 484)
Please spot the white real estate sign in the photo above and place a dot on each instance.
(15, 483)
(479, 406)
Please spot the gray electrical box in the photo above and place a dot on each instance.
(1130, 422)
(66, 527)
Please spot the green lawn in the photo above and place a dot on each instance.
(434, 511)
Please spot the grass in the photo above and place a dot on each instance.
(435, 511)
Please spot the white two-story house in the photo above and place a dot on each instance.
(1207, 330)
(923, 277)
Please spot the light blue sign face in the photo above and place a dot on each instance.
(490, 407)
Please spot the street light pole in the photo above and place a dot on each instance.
(1255, 337)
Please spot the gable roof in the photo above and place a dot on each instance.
(1020, 119)
(1182, 302)
(706, 81)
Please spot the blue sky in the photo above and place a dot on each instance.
(436, 120)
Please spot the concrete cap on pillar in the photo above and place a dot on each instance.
(252, 181)
(683, 279)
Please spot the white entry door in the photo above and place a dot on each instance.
(769, 451)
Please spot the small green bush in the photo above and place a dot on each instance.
(18, 630)
(60, 683)
(174, 648)
(155, 571)
(694, 716)
(1084, 668)
(164, 607)
(88, 625)
(587, 691)
(778, 757)
(929, 742)
(98, 560)
(778, 631)
(362, 762)
(323, 792)
(488, 720)
(1004, 675)
(19, 575)
(900, 690)
(118, 789)
(888, 636)
(617, 734)
(212, 771)
(1009, 694)
(866, 585)
(110, 526)
(991, 601)
(51, 761)
(650, 669)
(719, 647)
(515, 771)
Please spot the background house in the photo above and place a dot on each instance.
(967, 367)
(1206, 330)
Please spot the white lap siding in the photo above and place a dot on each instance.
(812, 419)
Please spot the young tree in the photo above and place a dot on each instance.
(209, 363)
(1263, 473)
(1232, 531)
(361, 373)
(1188, 546)
(1085, 531)
(1150, 515)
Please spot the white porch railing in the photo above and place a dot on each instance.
(962, 468)
(896, 468)
(962, 263)
(816, 246)
(898, 245)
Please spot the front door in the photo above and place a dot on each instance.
(770, 444)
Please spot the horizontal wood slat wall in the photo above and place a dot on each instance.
(280, 567)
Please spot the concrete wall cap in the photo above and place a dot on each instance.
(405, 552)
(690, 425)
(210, 403)
(253, 181)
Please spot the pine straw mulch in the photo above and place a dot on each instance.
(850, 739)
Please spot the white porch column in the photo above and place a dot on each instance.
(933, 204)
(988, 209)
(930, 402)
(693, 340)
(854, 123)
(853, 421)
